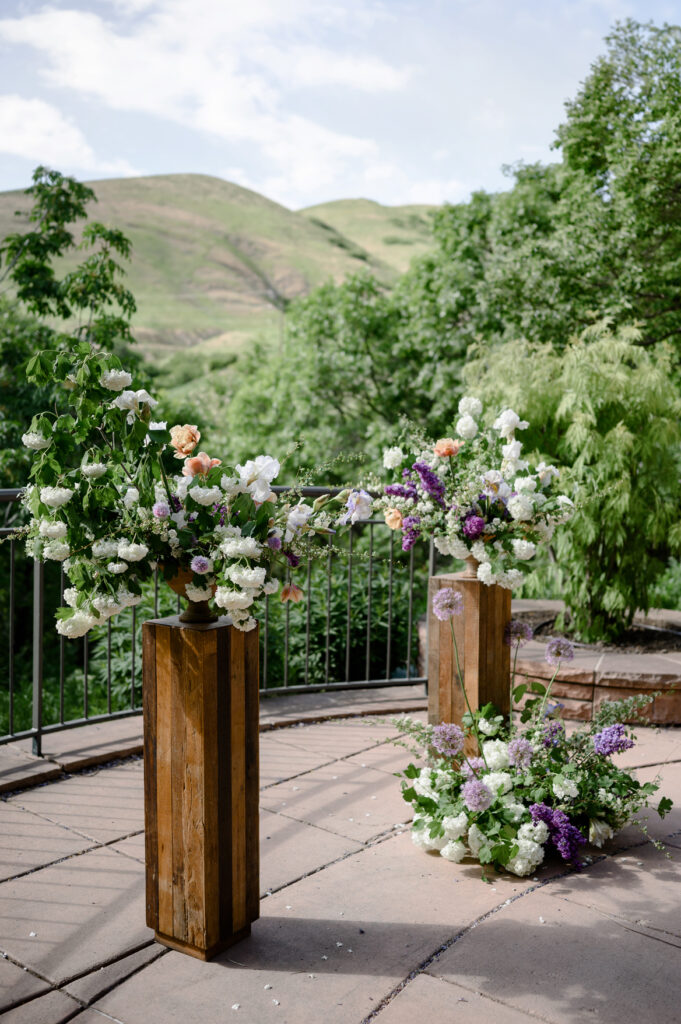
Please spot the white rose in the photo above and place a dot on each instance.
(469, 406)
(520, 507)
(35, 441)
(466, 427)
(393, 457)
(115, 380)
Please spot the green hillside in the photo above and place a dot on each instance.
(392, 234)
(214, 264)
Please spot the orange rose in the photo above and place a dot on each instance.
(393, 518)
(200, 465)
(184, 439)
(291, 592)
(447, 446)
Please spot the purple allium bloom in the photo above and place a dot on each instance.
(161, 510)
(402, 491)
(274, 542)
(473, 526)
(410, 533)
(472, 766)
(430, 482)
(201, 565)
(447, 603)
(517, 633)
(448, 739)
(562, 833)
(520, 752)
(559, 649)
(612, 740)
(554, 734)
(293, 560)
(476, 795)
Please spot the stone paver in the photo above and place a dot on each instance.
(93, 744)
(99, 981)
(70, 918)
(280, 760)
(290, 849)
(17, 984)
(19, 768)
(28, 841)
(52, 1008)
(104, 805)
(433, 999)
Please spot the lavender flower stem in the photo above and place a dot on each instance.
(465, 695)
(510, 702)
(548, 691)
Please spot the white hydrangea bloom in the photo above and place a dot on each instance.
(52, 530)
(488, 728)
(520, 507)
(457, 548)
(480, 551)
(454, 851)
(545, 530)
(529, 855)
(71, 596)
(507, 422)
(466, 428)
(517, 811)
(56, 550)
(35, 441)
(524, 549)
(126, 599)
(247, 578)
(105, 548)
(92, 470)
(510, 579)
(496, 755)
(241, 547)
(206, 495)
(131, 552)
(55, 497)
(393, 457)
(244, 625)
(498, 783)
(536, 832)
(131, 497)
(455, 827)
(564, 789)
(117, 567)
(115, 380)
(271, 587)
(198, 593)
(442, 545)
(525, 483)
(78, 625)
(469, 406)
(485, 574)
(476, 839)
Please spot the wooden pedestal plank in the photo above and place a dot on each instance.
(484, 658)
(201, 789)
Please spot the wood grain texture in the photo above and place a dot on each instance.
(201, 784)
(484, 658)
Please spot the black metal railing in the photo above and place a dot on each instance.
(355, 628)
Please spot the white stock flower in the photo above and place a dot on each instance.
(35, 441)
(599, 831)
(507, 422)
(454, 851)
(524, 549)
(564, 788)
(198, 593)
(115, 380)
(131, 552)
(247, 578)
(56, 551)
(256, 475)
(393, 457)
(131, 497)
(496, 755)
(469, 406)
(205, 495)
(93, 470)
(55, 497)
(466, 427)
(456, 826)
(52, 530)
(520, 507)
(78, 625)
(240, 547)
(116, 567)
(105, 548)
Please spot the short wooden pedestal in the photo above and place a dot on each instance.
(484, 657)
(201, 783)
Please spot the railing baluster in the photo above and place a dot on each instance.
(156, 592)
(38, 625)
(265, 642)
(108, 666)
(410, 612)
(367, 675)
(327, 658)
(348, 632)
(308, 611)
(62, 652)
(286, 634)
(132, 669)
(11, 636)
(390, 607)
(86, 681)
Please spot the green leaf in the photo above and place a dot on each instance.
(519, 691)
(538, 687)
(664, 807)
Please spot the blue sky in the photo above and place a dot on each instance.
(402, 101)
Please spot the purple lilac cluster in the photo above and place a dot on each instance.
(562, 833)
(473, 526)
(520, 752)
(293, 560)
(448, 739)
(175, 503)
(405, 490)
(410, 533)
(476, 795)
(554, 734)
(472, 766)
(447, 603)
(220, 511)
(430, 482)
(559, 649)
(517, 633)
(612, 740)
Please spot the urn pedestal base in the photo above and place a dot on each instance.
(201, 790)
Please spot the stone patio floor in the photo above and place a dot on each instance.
(356, 924)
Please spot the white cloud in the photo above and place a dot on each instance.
(38, 131)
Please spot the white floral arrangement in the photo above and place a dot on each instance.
(475, 495)
(116, 494)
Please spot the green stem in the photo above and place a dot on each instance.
(465, 695)
(548, 691)
(510, 704)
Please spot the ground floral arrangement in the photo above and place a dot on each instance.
(475, 496)
(532, 788)
(115, 494)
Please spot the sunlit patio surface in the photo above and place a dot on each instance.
(356, 923)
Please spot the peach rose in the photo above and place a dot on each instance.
(184, 439)
(291, 592)
(447, 446)
(393, 518)
(200, 465)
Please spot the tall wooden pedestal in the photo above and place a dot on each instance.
(484, 657)
(201, 783)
